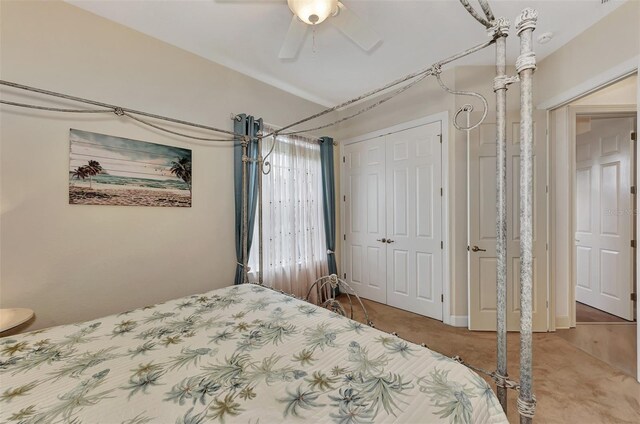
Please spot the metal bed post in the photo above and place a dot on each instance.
(500, 29)
(500, 88)
(259, 171)
(525, 66)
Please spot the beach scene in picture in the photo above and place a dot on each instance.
(107, 170)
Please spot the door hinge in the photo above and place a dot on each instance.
(633, 243)
(344, 237)
(345, 275)
(547, 304)
(344, 198)
(441, 245)
(546, 246)
(634, 136)
(442, 298)
(344, 160)
(633, 189)
(440, 136)
(441, 192)
(634, 297)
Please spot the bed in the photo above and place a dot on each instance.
(239, 354)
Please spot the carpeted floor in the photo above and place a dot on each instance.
(571, 386)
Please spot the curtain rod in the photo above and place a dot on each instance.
(312, 137)
(233, 117)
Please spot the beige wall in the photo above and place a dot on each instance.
(621, 93)
(73, 263)
(611, 41)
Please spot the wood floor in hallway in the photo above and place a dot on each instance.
(571, 386)
(586, 313)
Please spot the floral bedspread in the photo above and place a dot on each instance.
(242, 354)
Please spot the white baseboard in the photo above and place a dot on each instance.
(459, 321)
(563, 323)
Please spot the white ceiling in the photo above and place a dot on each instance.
(247, 35)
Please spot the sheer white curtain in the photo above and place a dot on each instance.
(294, 245)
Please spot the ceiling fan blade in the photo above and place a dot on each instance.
(355, 28)
(294, 39)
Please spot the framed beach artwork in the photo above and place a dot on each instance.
(108, 170)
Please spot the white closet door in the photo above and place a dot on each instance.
(604, 215)
(365, 253)
(414, 220)
(482, 226)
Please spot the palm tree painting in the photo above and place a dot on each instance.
(88, 170)
(182, 169)
(79, 173)
(93, 168)
(108, 170)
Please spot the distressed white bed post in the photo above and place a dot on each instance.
(499, 30)
(259, 170)
(525, 66)
(501, 81)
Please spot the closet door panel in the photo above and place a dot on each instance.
(365, 258)
(414, 220)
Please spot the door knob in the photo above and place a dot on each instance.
(477, 249)
(389, 241)
(384, 240)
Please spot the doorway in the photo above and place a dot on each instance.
(604, 227)
(604, 215)
(613, 93)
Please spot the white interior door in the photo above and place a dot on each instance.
(365, 252)
(482, 223)
(604, 215)
(414, 220)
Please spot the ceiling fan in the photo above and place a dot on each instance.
(313, 12)
(308, 13)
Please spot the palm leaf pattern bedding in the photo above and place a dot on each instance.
(241, 354)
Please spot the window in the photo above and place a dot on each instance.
(294, 245)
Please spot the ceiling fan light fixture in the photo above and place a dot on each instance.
(313, 12)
